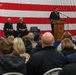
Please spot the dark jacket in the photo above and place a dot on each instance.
(68, 51)
(54, 16)
(12, 64)
(71, 58)
(21, 25)
(8, 25)
(28, 46)
(69, 69)
(37, 49)
(44, 60)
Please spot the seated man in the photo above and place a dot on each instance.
(7, 26)
(21, 27)
(47, 58)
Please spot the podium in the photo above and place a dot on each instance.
(58, 28)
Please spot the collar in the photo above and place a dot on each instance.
(49, 48)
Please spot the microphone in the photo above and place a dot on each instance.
(64, 15)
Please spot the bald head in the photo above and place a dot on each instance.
(47, 39)
(9, 19)
(21, 19)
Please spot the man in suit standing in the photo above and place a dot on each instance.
(8, 27)
(21, 27)
(54, 16)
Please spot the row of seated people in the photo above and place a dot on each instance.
(43, 55)
(21, 28)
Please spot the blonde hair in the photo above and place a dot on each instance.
(66, 43)
(18, 46)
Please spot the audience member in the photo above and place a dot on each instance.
(8, 61)
(45, 59)
(27, 43)
(65, 35)
(31, 38)
(37, 48)
(67, 47)
(19, 48)
(11, 37)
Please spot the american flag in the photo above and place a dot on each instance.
(37, 12)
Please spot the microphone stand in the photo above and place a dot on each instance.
(67, 17)
(64, 15)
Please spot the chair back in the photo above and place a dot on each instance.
(54, 71)
(36, 32)
(34, 29)
(13, 73)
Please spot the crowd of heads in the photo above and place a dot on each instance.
(19, 46)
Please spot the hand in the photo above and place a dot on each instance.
(10, 29)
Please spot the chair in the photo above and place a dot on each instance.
(54, 71)
(36, 32)
(12, 73)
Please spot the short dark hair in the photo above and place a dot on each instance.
(55, 8)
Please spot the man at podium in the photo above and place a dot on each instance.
(54, 16)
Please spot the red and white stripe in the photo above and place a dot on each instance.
(36, 13)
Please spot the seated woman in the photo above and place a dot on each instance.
(19, 48)
(65, 35)
(8, 61)
(67, 47)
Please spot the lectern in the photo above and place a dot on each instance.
(58, 28)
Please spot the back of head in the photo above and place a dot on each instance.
(66, 35)
(18, 46)
(66, 43)
(25, 38)
(31, 36)
(11, 37)
(6, 46)
(47, 39)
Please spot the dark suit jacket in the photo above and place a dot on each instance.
(69, 69)
(54, 16)
(44, 60)
(21, 25)
(8, 25)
